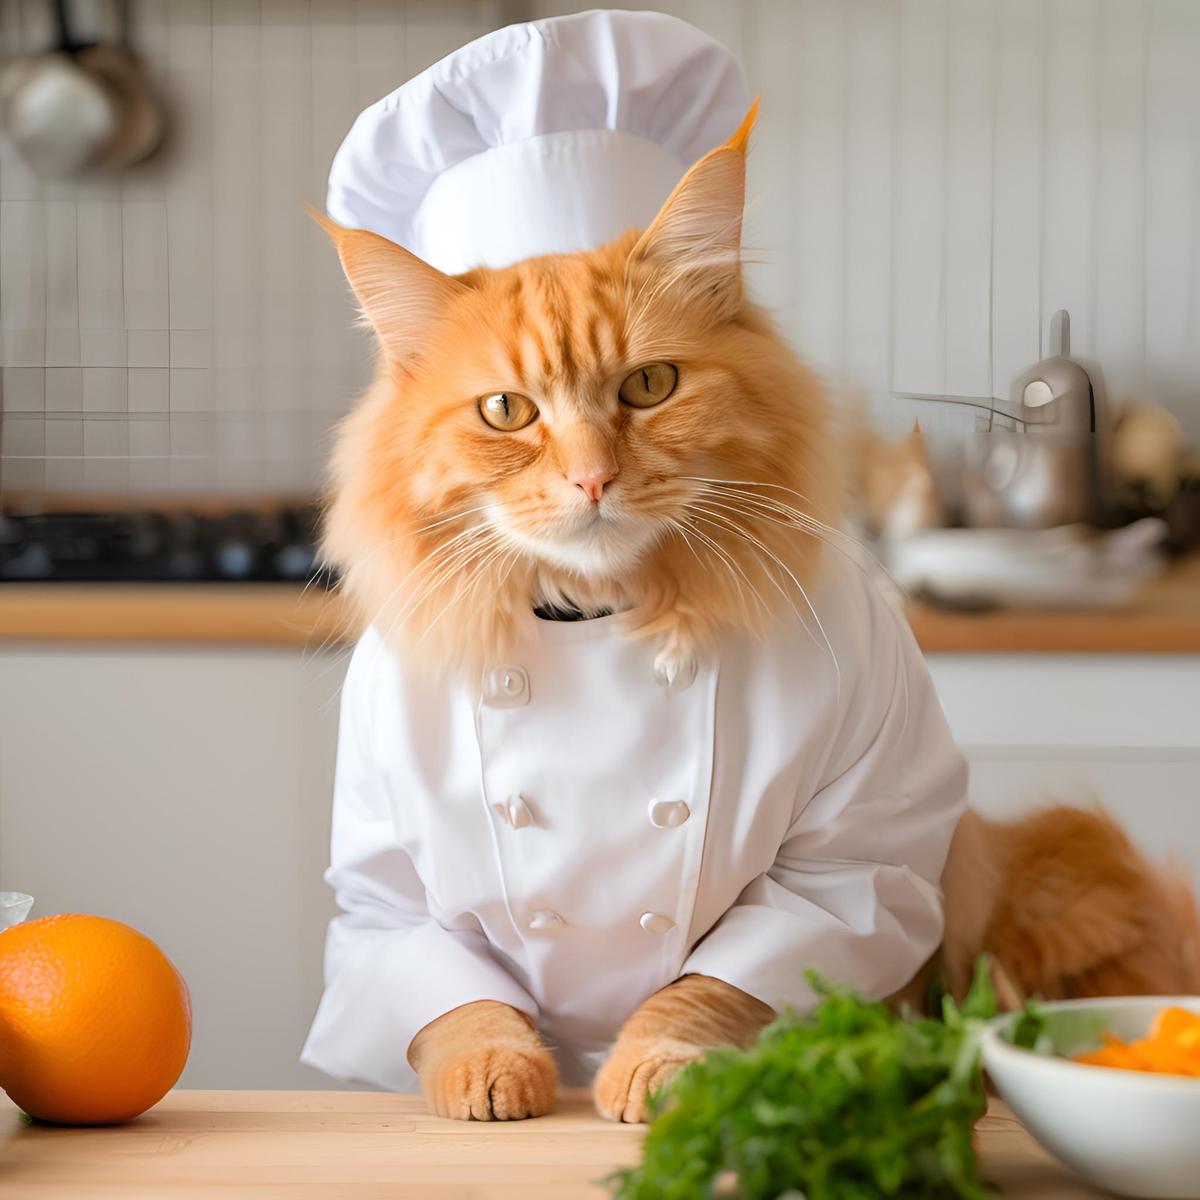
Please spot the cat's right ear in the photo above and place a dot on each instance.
(697, 235)
(399, 295)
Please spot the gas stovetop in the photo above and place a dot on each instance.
(160, 547)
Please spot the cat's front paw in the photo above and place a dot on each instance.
(634, 1071)
(492, 1083)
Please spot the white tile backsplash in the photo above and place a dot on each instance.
(145, 265)
(64, 438)
(64, 389)
(62, 347)
(24, 391)
(930, 180)
(23, 279)
(24, 347)
(105, 390)
(104, 437)
(100, 265)
(24, 437)
(62, 271)
(191, 348)
(149, 348)
(149, 438)
(149, 390)
(102, 347)
(191, 391)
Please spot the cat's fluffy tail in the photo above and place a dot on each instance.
(1066, 906)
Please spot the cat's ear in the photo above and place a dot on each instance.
(697, 234)
(400, 296)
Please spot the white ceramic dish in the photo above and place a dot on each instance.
(1130, 1132)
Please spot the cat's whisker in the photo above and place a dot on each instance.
(446, 520)
(711, 544)
(463, 588)
(452, 547)
(830, 533)
(740, 484)
(756, 510)
(441, 547)
(466, 512)
(720, 524)
(734, 567)
(748, 483)
(760, 546)
(443, 567)
(438, 550)
(849, 547)
(441, 572)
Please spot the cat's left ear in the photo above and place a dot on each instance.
(400, 295)
(697, 234)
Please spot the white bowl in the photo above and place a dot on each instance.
(1130, 1132)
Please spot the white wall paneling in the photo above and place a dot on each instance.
(931, 180)
(919, 198)
(208, 831)
(871, 71)
(1082, 729)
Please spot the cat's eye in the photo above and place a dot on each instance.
(649, 385)
(507, 411)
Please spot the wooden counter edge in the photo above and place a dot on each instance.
(282, 615)
(271, 614)
(1116, 632)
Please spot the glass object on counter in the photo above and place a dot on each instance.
(14, 908)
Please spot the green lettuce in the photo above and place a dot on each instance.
(851, 1102)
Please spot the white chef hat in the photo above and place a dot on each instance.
(542, 138)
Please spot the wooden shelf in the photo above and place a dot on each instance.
(271, 614)
(1165, 619)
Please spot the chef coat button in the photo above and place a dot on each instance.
(506, 687)
(519, 814)
(666, 814)
(544, 919)
(515, 811)
(656, 923)
(676, 677)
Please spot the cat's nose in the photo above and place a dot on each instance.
(591, 480)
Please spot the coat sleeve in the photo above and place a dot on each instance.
(390, 968)
(854, 889)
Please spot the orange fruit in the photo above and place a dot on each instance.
(95, 1021)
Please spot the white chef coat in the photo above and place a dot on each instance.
(568, 836)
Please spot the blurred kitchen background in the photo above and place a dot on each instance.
(934, 184)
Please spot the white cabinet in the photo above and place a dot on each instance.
(187, 793)
(1121, 729)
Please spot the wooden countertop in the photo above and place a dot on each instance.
(1164, 619)
(266, 614)
(374, 1146)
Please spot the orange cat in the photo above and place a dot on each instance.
(1066, 906)
(411, 464)
(450, 518)
(412, 461)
